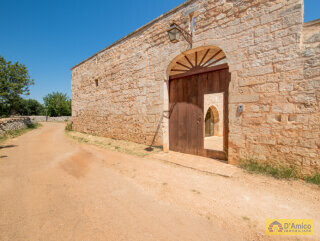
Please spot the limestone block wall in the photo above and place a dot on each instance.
(306, 95)
(122, 91)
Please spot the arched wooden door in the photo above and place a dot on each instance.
(186, 98)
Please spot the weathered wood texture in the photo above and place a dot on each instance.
(186, 124)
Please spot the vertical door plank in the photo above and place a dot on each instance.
(222, 81)
(202, 81)
(173, 115)
(216, 82)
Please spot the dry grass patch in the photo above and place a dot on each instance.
(127, 147)
(278, 172)
(15, 133)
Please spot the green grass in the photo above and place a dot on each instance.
(315, 179)
(80, 139)
(278, 172)
(15, 133)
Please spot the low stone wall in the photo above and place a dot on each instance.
(14, 123)
(50, 119)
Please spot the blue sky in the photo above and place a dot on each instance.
(49, 37)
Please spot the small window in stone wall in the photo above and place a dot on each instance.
(97, 82)
(193, 24)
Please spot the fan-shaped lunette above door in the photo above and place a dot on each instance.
(198, 61)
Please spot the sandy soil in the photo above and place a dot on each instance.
(53, 188)
(213, 143)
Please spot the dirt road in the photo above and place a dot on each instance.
(52, 188)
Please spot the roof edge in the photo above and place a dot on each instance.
(188, 2)
(311, 23)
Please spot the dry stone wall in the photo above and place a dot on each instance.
(121, 92)
(16, 123)
(50, 119)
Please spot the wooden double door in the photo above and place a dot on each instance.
(186, 122)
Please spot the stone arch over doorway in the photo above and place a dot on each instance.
(209, 64)
(196, 60)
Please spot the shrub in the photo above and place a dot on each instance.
(69, 126)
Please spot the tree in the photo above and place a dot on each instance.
(57, 104)
(14, 81)
(30, 107)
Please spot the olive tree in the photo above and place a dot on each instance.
(57, 104)
(14, 81)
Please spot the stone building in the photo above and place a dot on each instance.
(259, 54)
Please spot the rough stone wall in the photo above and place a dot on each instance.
(306, 95)
(271, 75)
(50, 119)
(15, 123)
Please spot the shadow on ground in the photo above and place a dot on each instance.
(8, 146)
